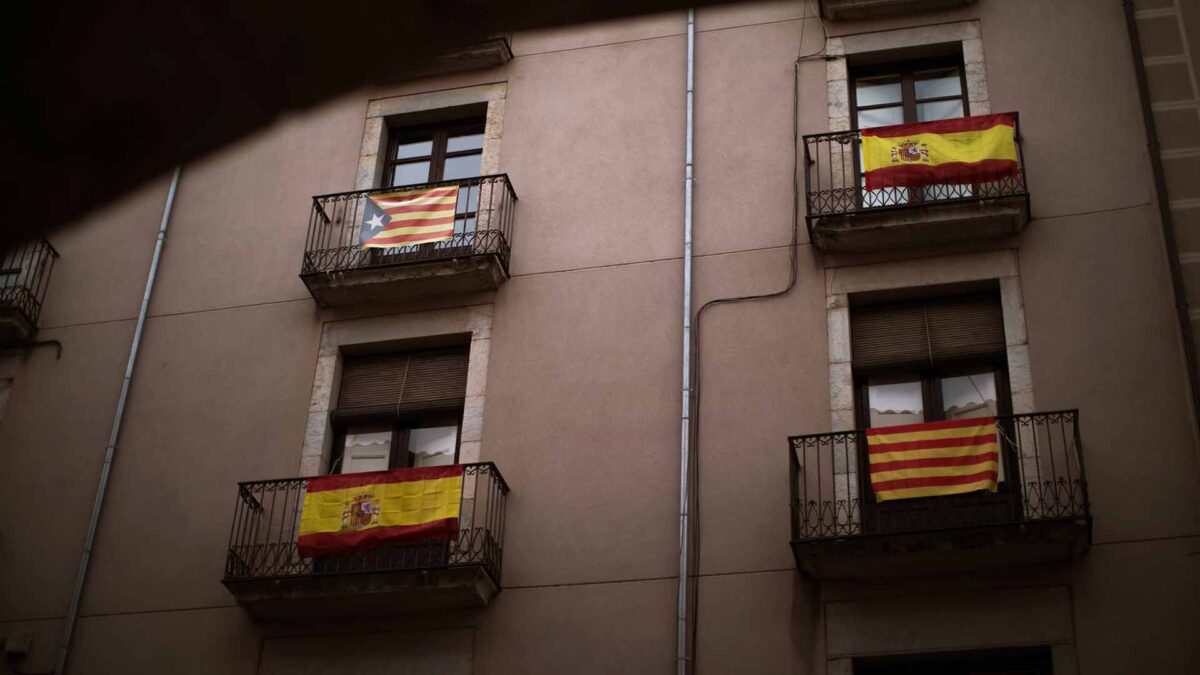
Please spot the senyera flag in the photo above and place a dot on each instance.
(963, 150)
(357, 511)
(406, 217)
(935, 458)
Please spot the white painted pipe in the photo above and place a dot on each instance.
(683, 664)
(118, 416)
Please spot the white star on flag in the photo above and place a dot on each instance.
(376, 222)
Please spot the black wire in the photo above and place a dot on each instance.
(694, 418)
(694, 470)
(694, 426)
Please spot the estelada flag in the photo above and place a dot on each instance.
(935, 458)
(407, 217)
(358, 511)
(977, 149)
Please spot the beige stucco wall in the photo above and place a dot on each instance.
(583, 364)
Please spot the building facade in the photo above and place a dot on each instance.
(539, 346)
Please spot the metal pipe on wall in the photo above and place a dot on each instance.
(118, 416)
(683, 619)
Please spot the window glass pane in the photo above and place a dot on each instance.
(464, 142)
(936, 87)
(969, 396)
(416, 149)
(939, 110)
(973, 395)
(867, 92)
(367, 448)
(464, 225)
(411, 173)
(466, 166)
(468, 199)
(432, 446)
(895, 401)
(880, 117)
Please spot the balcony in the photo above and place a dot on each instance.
(339, 271)
(850, 10)
(24, 276)
(843, 216)
(1040, 513)
(272, 582)
(492, 52)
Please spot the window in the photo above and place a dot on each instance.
(929, 359)
(917, 91)
(906, 93)
(399, 410)
(428, 154)
(433, 153)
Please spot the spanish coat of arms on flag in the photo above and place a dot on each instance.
(407, 217)
(358, 511)
(962, 150)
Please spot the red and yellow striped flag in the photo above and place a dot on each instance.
(935, 458)
(955, 151)
(357, 511)
(408, 217)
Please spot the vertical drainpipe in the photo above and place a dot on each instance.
(682, 656)
(118, 416)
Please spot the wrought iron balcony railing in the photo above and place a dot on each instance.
(483, 226)
(24, 276)
(1042, 479)
(835, 186)
(266, 521)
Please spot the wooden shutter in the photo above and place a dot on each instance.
(888, 335)
(392, 385)
(926, 332)
(966, 327)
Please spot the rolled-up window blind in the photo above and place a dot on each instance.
(397, 384)
(926, 332)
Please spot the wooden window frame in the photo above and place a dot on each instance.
(930, 378)
(439, 135)
(905, 73)
(398, 456)
(931, 398)
(393, 390)
(930, 375)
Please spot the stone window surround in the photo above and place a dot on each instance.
(840, 282)
(475, 321)
(951, 622)
(837, 72)
(374, 141)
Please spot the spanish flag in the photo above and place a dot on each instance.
(408, 217)
(956, 151)
(358, 511)
(936, 458)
